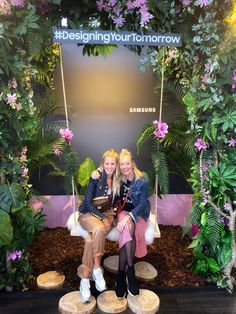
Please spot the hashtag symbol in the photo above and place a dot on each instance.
(58, 35)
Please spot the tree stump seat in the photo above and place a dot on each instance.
(108, 303)
(147, 302)
(145, 271)
(50, 280)
(71, 303)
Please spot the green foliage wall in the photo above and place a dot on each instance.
(205, 70)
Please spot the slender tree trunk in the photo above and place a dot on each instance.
(8, 268)
(228, 269)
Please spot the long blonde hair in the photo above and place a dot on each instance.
(113, 153)
(127, 154)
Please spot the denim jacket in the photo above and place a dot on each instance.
(138, 193)
(96, 187)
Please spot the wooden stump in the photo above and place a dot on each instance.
(71, 303)
(145, 271)
(147, 302)
(108, 303)
(111, 263)
(50, 280)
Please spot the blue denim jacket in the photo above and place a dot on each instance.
(138, 193)
(95, 188)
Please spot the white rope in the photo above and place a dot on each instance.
(67, 124)
(160, 117)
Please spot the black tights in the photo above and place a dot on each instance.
(126, 253)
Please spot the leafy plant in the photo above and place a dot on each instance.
(158, 157)
(84, 171)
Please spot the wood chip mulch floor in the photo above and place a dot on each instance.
(56, 250)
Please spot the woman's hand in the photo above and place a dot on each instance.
(121, 224)
(107, 224)
(95, 174)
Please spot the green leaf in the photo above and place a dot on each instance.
(6, 229)
(225, 256)
(213, 266)
(204, 218)
(33, 25)
(12, 197)
(85, 170)
(198, 254)
(201, 267)
(194, 243)
(146, 133)
(190, 100)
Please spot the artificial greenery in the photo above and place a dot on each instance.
(205, 71)
(83, 173)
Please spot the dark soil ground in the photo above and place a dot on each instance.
(56, 250)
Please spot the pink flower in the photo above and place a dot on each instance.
(4, 7)
(18, 106)
(140, 3)
(25, 172)
(14, 255)
(203, 3)
(234, 75)
(206, 78)
(199, 144)
(195, 230)
(116, 10)
(177, 9)
(233, 86)
(207, 66)
(203, 86)
(186, 2)
(66, 134)
(23, 158)
(24, 150)
(171, 53)
(136, 4)
(112, 3)
(232, 142)
(11, 99)
(17, 3)
(43, 6)
(227, 207)
(119, 21)
(57, 151)
(161, 128)
(145, 18)
(12, 83)
(130, 5)
(100, 5)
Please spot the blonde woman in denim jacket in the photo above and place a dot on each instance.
(133, 213)
(96, 223)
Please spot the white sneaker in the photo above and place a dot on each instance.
(84, 289)
(100, 283)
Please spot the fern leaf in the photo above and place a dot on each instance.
(175, 88)
(161, 169)
(146, 133)
(213, 228)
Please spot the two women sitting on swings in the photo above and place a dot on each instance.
(120, 180)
